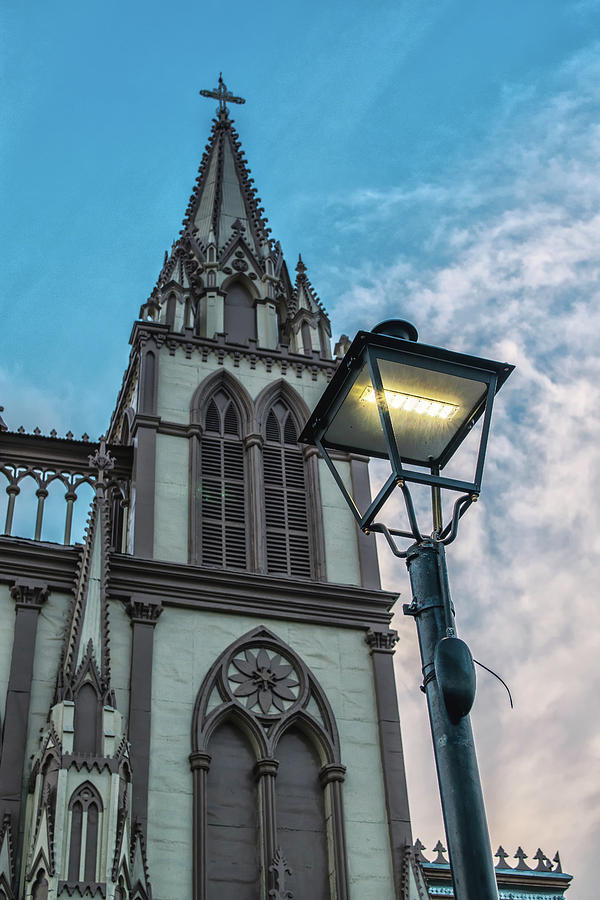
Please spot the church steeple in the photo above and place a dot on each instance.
(225, 260)
(224, 200)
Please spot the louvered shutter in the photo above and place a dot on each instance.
(223, 500)
(288, 545)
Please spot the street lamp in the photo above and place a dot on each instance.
(413, 405)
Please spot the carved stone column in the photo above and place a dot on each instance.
(253, 445)
(331, 778)
(29, 597)
(143, 431)
(315, 512)
(143, 612)
(199, 764)
(382, 645)
(265, 772)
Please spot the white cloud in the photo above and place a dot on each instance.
(523, 284)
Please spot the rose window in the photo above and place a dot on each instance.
(263, 679)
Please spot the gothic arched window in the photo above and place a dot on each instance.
(222, 493)
(85, 807)
(232, 828)
(171, 311)
(301, 828)
(40, 887)
(240, 314)
(87, 720)
(286, 508)
(267, 779)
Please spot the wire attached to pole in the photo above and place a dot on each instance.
(501, 680)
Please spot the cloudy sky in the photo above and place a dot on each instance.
(434, 161)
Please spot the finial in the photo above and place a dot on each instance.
(544, 864)
(418, 848)
(521, 856)
(3, 425)
(557, 861)
(280, 868)
(103, 462)
(221, 94)
(440, 859)
(502, 856)
(300, 268)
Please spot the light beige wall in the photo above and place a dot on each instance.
(179, 377)
(52, 625)
(7, 633)
(186, 644)
(178, 380)
(119, 625)
(172, 498)
(339, 530)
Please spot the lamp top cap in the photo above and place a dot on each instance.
(397, 328)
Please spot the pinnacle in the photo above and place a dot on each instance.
(224, 199)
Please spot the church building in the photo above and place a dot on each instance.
(197, 695)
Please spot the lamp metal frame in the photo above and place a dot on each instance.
(368, 348)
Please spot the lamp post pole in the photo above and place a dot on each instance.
(445, 687)
(414, 405)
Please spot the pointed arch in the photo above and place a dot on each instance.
(238, 393)
(280, 390)
(222, 412)
(85, 807)
(290, 486)
(290, 727)
(239, 310)
(40, 886)
(240, 278)
(88, 720)
(170, 310)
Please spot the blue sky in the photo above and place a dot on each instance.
(436, 161)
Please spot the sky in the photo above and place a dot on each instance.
(435, 162)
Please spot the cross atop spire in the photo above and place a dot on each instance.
(221, 94)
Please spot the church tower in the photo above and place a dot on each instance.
(223, 721)
(263, 727)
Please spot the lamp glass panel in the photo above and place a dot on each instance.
(427, 409)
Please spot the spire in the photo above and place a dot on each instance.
(224, 200)
(304, 293)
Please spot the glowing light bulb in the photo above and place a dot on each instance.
(423, 406)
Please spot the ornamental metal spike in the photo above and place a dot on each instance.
(502, 856)
(521, 856)
(557, 861)
(440, 859)
(418, 848)
(544, 864)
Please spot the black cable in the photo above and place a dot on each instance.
(495, 674)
